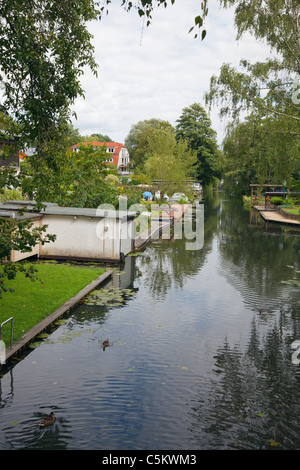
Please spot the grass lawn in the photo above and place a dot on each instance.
(31, 302)
(294, 210)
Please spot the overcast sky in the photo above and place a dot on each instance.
(156, 71)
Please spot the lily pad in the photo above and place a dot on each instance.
(44, 335)
(34, 345)
(111, 297)
(68, 336)
(61, 321)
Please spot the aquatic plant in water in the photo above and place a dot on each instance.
(110, 297)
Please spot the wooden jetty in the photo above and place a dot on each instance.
(278, 217)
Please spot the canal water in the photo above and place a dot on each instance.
(201, 349)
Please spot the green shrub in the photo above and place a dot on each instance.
(294, 211)
(111, 178)
(276, 200)
(14, 194)
(293, 200)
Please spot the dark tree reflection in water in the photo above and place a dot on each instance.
(254, 400)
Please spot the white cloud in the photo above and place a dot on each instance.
(155, 72)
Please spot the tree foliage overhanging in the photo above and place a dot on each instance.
(266, 146)
(44, 47)
(270, 86)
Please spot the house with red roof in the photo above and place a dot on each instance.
(118, 154)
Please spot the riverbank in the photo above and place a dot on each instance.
(194, 329)
(44, 315)
(158, 227)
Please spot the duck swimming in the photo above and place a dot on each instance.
(48, 420)
(105, 344)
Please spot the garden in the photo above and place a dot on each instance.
(290, 206)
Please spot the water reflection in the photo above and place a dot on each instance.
(251, 260)
(172, 264)
(254, 403)
(192, 363)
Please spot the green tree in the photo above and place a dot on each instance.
(95, 138)
(239, 169)
(268, 90)
(78, 180)
(194, 127)
(87, 172)
(19, 235)
(138, 137)
(274, 21)
(73, 136)
(44, 47)
(269, 86)
(100, 138)
(168, 161)
(256, 152)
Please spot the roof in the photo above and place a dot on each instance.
(86, 212)
(17, 216)
(116, 145)
(6, 209)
